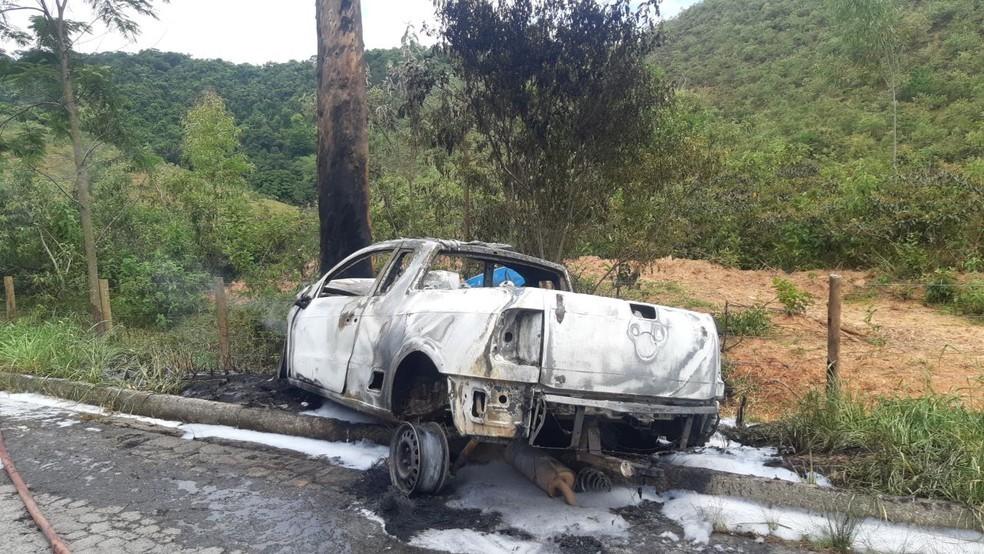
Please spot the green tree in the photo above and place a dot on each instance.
(53, 33)
(210, 144)
(871, 31)
(214, 190)
(562, 96)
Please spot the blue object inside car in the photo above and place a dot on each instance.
(499, 275)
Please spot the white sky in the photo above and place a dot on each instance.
(258, 31)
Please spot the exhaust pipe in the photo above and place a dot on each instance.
(544, 470)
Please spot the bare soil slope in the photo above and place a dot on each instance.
(890, 345)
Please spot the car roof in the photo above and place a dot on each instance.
(472, 247)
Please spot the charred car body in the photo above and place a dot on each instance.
(494, 345)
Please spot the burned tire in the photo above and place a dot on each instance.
(419, 459)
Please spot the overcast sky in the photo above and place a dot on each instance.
(259, 31)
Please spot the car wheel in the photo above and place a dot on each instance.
(419, 458)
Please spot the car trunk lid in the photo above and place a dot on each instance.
(603, 345)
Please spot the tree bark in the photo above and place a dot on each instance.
(82, 194)
(343, 137)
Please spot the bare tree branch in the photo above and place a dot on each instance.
(54, 182)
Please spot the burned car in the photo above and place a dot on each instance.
(477, 342)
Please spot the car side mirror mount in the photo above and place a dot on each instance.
(302, 301)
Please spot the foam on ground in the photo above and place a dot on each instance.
(700, 515)
(497, 487)
(722, 454)
(334, 410)
(356, 455)
(466, 541)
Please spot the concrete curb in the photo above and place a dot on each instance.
(195, 410)
(913, 511)
(824, 500)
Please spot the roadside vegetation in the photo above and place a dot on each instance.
(748, 322)
(929, 447)
(146, 358)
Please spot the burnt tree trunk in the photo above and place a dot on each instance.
(343, 137)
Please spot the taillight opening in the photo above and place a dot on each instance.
(519, 336)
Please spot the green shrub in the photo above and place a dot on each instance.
(736, 384)
(969, 299)
(68, 349)
(256, 333)
(794, 301)
(158, 291)
(753, 322)
(189, 346)
(941, 287)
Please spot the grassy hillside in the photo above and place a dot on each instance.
(778, 66)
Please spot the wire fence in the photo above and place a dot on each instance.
(942, 307)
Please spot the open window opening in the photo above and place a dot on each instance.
(452, 270)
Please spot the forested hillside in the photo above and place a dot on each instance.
(273, 103)
(800, 117)
(785, 139)
(772, 148)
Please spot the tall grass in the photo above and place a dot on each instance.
(148, 359)
(68, 349)
(930, 447)
(57, 348)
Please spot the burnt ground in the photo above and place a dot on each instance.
(405, 517)
(250, 389)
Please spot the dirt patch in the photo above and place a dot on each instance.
(891, 344)
(252, 390)
(405, 517)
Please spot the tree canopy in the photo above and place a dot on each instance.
(561, 95)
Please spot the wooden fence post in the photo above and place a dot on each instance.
(8, 287)
(105, 307)
(222, 317)
(833, 335)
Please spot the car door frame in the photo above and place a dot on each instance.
(334, 382)
(372, 351)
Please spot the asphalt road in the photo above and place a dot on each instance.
(116, 485)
